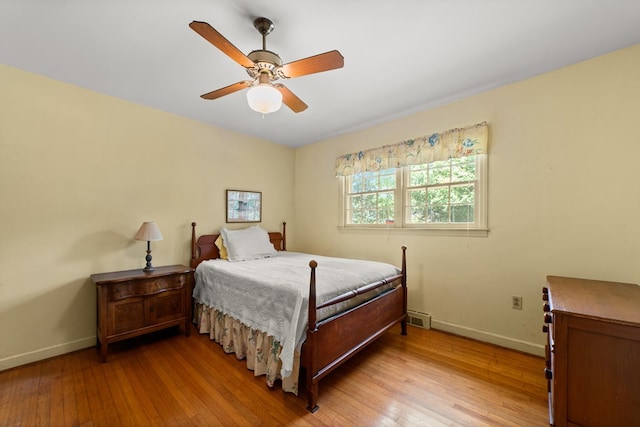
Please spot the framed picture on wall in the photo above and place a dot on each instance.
(244, 206)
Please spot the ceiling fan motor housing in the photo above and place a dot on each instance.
(264, 60)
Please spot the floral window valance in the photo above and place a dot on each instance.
(461, 142)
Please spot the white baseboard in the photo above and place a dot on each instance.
(502, 341)
(45, 353)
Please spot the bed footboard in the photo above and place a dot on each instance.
(332, 341)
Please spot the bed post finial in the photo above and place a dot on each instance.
(193, 241)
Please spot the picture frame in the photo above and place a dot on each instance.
(244, 206)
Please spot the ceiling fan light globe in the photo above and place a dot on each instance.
(264, 99)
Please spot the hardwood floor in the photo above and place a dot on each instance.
(427, 378)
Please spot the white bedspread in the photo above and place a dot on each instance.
(272, 294)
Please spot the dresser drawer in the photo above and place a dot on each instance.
(145, 287)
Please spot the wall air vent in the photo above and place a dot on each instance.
(421, 320)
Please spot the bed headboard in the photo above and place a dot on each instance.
(204, 248)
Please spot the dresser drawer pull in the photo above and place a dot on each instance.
(548, 318)
(548, 374)
(546, 308)
(545, 329)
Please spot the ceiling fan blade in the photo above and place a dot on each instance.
(227, 90)
(215, 38)
(290, 99)
(313, 64)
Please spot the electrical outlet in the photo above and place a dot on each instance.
(516, 302)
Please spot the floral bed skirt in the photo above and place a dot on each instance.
(261, 352)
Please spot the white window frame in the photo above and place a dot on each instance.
(478, 228)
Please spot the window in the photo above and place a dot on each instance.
(371, 197)
(446, 194)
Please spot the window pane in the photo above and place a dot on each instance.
(440, 164)
(355, 202)
(369, 216)
(418, 175)
(438, 214)
(369, 201)
(461, 160)
(462, 213)
(385, 200)
(463, 172)
(439, 175)
(462, 194)
(385, 215)
(356, 183)
(371, 183)
(372, 197)
(388, 179)
(418, 178)
(435, 198)
(418, 197)
(418, 215)
(353, 217)
(438, 196)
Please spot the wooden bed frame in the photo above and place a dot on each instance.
(331, 342)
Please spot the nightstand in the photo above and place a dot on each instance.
(135, 302)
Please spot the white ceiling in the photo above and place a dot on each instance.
(401, 56)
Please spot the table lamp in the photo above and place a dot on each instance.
(148, 231)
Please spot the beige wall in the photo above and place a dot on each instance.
(564, 199)
(75, 185)
(79, 173)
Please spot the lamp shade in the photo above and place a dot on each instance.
(264, 98)
(148, 231)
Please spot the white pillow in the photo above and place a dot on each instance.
(248, 243)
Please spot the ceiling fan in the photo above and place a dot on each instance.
(265, 67)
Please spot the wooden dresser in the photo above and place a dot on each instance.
(135, 302)
(592, 352)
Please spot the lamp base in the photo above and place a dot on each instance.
(148, 267)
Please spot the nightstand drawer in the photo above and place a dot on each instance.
(145, 287)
